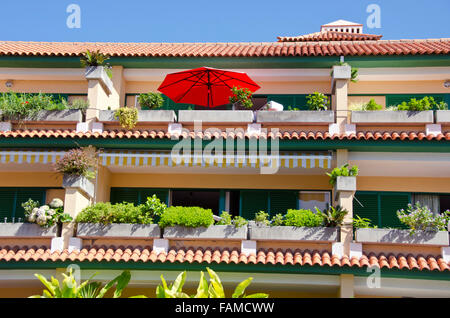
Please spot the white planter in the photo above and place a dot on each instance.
(214, 232)
(216, 116)
(292, 233)
(98, 73)
(394, 236)
(443, 117)
(79, 182)
(345, 184)
(55, 116)
(26, 230)
(392, 117)
(295, 117)
(135, 231)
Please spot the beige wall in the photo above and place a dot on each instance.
(30, 179)
(391, 87)
(360, 100)
(66, 87)
(431, 185)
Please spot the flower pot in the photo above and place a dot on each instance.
(80, 183)
(394, 236)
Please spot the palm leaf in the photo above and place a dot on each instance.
(240, 289)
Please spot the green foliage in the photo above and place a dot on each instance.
(151, 100)
(277, 220)
(213, 290)
(332, 216)
(420, 218)
(242, 96)
(262, 218)
(426, 103)
(107, 213)
(68, 287)
(227, 219)
(317, 101)
(154, 207)
(186, 216)
(96, 58)
(362, 223)
(23, 106)
(128, 117)
(302, 218)
(372, 105)
(80, 104)
(79, 162)
(290, 108)
(343, 171)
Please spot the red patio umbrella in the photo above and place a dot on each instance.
(204, 86)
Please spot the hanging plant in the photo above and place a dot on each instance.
(128, 117)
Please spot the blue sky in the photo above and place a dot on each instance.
(214, 20)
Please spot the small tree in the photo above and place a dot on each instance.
(242, 96)
(151, 100)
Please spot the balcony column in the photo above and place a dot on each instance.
(346, 288)
(79, 195)
(103, 185)
(339, 88)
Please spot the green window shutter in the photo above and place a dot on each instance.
(7, 204)
(396, 99)
(253, 202)
(281, 201)
(23, 195)
(389, 205)
(367, 207)
(163, 195)
(119, 195)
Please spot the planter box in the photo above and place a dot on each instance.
(392, 117)
(215, 116)
(345, 184)
(66, 115)
(79, 182)
(98, 73)
(214, 232)
(295, 117)
(135, 231)
(342, 72)
(392, 236)
(150, 116)
(443, 117)
(292, 233)
(27, 230)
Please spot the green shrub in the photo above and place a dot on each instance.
(362, 223)
(420, 218)
(277, 220)
(80, 104)
(242, 96)
(302, 218)
(426, 103)
(107, 213)
(342, 171)
(128, 117)
(154, 207)
(372, 105)
(227, 219)
(186, 216)
(262, 218)
(332, 216)
(150, 100)
(317, 101)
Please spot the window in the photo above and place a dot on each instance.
(381, 207)
(396, 99)
(270, 201)
(437, 203)
(310, 200)
(12, 199)
(137, 195)
(207, 199)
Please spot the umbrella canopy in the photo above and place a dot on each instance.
(204, 86)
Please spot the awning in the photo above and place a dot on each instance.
(160, 158)
(30, 156)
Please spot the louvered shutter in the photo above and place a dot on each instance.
(130, 195)
(7, 204)
(281, 201)
(396, 99)
(253, 202)
(390, 203)
(367, 207)
(163, 195)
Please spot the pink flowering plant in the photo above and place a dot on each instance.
(420, 218)
(79, 162)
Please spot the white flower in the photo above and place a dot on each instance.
(45, 207)
(56, 203)
(32, 216)
(51, 212)
(41, 220)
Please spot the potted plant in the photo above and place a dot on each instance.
(150, 100)
(296, 225)
(425, 228)
(197, 223)
(78, 167)
(241, 97)
(343, 178)
(128, 117)
(42, 221)
(121, 220)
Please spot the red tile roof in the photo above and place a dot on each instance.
(161, 134)
(330, 36)
(226, 256)
(270, 49)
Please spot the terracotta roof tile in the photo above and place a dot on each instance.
(153, 134)
(209, 255)
(327, 44)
